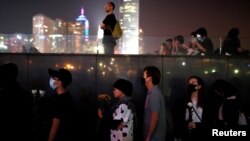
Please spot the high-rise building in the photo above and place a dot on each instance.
(59, 36)
(60, 27)
(42, 27)
(129, 19)
(75, 36)
(85, 22)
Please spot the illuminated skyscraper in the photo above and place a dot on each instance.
(49, 34)
(75, 36)
(129, 19)
(60, 27)
(85, 22)
(42, 27)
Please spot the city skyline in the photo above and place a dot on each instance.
(170, 17)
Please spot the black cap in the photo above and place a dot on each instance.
(125, 86)
(62, 74)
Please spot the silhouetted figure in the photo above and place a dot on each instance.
(62, 106)
(33, 50)
(105, 118)
(232, 45)
(176, 105)
(15, 106)
(230, 116)
(108, 25)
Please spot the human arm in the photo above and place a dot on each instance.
(54, 129)
(108, 22)
(155, 108)
(102, 26)
(200, 47)
(152, 125)
(100, 113)
(104, 23)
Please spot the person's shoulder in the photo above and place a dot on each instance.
(66, 95)
(123, 105)
(157, 90)
(208, 40)
(111, 16)
(156, 93)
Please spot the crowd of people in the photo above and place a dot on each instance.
(200, 44)
(194, 114)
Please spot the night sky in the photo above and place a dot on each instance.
(157, 17)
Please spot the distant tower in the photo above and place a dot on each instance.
(85, 22)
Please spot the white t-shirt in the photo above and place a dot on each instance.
(194, 115)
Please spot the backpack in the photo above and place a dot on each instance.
(117, 32)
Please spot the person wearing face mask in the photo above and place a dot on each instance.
(203, 43)
(194, 109)
(62, 105)
(154, 110)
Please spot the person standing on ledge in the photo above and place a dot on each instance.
(108, 25)
(154, 112)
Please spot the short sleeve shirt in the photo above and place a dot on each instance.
(62, 109)
(155, 103)
(109, 22)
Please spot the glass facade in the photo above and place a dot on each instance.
(129, 19)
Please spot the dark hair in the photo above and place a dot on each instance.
(164, 44)
(200, 92)
(193, 34)
(153, 72)
(112, 4)
(63, 75)
(179, 38)
(125, 86)
(10, 71)
(224, 87)
(233, 33)
(202, 31)
(169, 40)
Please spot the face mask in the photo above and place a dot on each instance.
(191, 88)
(51, 84)
(200, 39)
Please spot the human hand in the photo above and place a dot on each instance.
(191, 125)
(100, 113)
(147, 138)
(120, 126)
(102, 26)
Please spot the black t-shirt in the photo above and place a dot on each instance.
(231, 45)
(109, 22)
(208, 45)
(62, 109)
